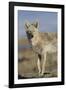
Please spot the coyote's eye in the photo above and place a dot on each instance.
(28, 32)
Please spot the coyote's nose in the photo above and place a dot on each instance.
(29, 35)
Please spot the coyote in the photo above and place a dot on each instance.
(40, 45)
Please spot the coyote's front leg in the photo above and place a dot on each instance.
(43, 63)
(39, 64)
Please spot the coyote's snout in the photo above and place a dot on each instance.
(40, 45)
(29, 34)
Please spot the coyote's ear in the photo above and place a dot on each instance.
(36, 24)
(27, 24)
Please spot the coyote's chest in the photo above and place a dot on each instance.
(37, 49)
(37, 45)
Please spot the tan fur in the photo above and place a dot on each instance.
(40, 45)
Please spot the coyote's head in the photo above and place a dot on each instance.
(31, 29)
